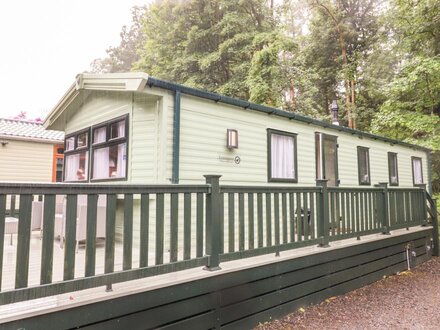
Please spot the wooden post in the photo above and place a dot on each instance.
(213, 223)
(323, 213)
(383, 208)
(422, 199)
(435, 233)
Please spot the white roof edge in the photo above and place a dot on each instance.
(30, 139)
(128, 82)
(68, 97)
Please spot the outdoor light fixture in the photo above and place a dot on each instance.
(232, 139)
(335, 109)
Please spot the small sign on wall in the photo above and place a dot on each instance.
(225, 159)
(229, 159)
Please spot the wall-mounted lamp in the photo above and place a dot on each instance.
(232, 139)
(4, 143)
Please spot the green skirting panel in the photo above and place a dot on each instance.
(242, 299)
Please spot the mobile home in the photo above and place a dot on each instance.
(132, 128)
(155, 150)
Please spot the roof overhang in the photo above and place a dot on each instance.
(30, 139)
(121, 82)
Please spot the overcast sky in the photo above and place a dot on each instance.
(45, 43)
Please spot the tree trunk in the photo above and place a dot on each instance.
(292, 96)
(349, 83)
(347, 103)
(353, 101)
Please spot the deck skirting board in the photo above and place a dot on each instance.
(243, 298)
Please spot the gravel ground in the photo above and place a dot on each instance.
(408, 300)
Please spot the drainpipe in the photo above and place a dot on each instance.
(176, 138)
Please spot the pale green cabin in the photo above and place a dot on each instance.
(132, 128)
(29, 153)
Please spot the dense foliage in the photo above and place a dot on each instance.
(379, 59)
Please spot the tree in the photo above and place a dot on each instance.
(270, 74)
(416, 24)
(122, 57)
(21, 116)
(351, 26)
(205, 44)
(412, 109)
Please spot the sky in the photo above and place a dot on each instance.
(46, 43)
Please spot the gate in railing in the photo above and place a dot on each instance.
(155, 229)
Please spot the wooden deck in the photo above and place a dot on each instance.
(61, 302)
(10, 259)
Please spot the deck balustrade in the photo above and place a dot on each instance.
(156, 229)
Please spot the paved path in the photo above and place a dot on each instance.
(410, 300)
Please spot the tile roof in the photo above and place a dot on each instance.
(28, 130)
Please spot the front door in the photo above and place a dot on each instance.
(327, 158)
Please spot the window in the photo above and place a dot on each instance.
(76, 156)
(417, 170)
(392, 169)
(282, 166)
(109, 150)
(57, 165)
(363, 165)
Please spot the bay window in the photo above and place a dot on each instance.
(76, 156)
(282, 162)
(107, 145)
(109, 150)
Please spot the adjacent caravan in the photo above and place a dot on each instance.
(29, 153)
(132, 128)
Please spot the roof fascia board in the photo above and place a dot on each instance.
(30, 139)
(125, 82)
(154, 82)
(62, 104)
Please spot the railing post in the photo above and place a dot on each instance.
(422, 199)
(12, 206)
(383, 208)
(323, 214)
(435, 234)
(213, 223)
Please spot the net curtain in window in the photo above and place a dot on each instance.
(417, 165)
(282, 157)
(122, 160)
(76, 167)
(100, 163)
